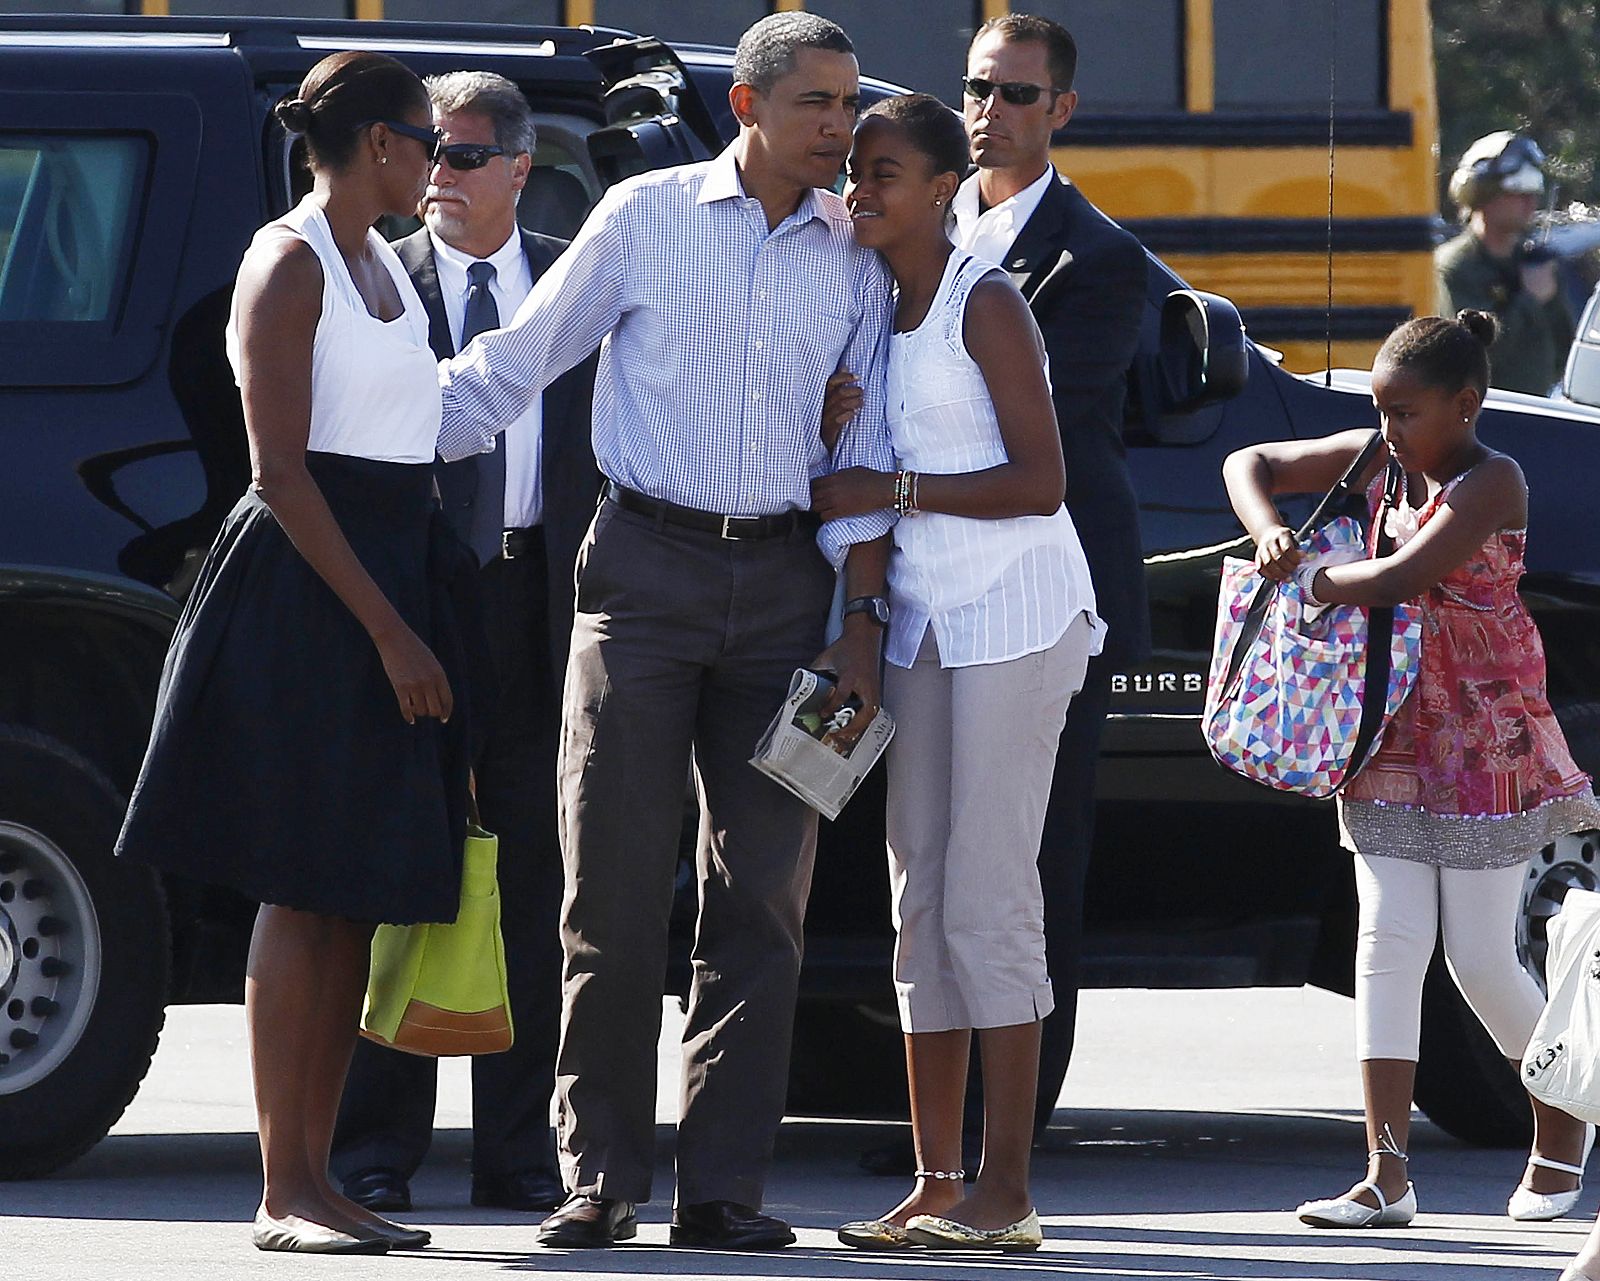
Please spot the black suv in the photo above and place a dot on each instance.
(137, 157)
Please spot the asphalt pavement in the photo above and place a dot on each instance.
(1192, 1122)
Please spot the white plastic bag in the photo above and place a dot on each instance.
(1562, 1063)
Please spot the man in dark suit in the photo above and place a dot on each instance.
(1085, 279)
(523, 509)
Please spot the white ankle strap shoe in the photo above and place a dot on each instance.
(1528, 1206)
(1342, 1212)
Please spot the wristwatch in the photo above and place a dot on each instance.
(875, 607)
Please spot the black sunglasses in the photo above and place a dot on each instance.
(467, 155)
(1019, 93)
(431, 139)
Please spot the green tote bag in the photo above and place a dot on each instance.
(441, 989)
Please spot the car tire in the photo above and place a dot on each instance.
(848, 1060)
(84, 957)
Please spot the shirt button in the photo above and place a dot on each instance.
(757, 344)
(755, 395)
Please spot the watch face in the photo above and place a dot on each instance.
(875, 606)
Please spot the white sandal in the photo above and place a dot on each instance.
(1344, 1212)
(1528, 1206)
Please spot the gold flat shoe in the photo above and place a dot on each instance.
(874, 1234)
(947, 1234)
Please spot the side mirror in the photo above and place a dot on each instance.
(1581, 381)
(1203, 357)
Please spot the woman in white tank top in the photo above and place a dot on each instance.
(304, 750)
(992, 623)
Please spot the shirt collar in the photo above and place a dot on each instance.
(1016, 210)
(503, 259)
(723, 182)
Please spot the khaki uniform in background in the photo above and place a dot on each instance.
(1530, 352)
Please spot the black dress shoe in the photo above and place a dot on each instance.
(378, 1189)
(530, 1190)
(585, 1221)
(727, 1225)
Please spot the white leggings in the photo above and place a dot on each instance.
(1403, 905)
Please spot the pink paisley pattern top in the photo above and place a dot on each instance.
(1473, 771)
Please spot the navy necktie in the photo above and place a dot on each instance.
(481, 314)
(488, 517)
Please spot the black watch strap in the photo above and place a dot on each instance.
(875, 607)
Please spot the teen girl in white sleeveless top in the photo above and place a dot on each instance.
(992, 624)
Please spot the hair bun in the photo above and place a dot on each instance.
(294, 114)
(1480, 324)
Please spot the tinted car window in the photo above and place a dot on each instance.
(65, 205)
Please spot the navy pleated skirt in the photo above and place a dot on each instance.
(279, 763)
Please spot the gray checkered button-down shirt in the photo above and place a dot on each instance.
(717, 338)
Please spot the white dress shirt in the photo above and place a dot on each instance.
(717, 337)
(991, 233)
(511, 283)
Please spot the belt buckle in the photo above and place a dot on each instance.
(725, 532)
(505, 545)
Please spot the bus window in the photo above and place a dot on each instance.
(1130, 52)
(1267, 55)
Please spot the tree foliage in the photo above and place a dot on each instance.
(1532, 65)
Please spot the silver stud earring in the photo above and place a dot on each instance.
(937, 202)
(383, 160)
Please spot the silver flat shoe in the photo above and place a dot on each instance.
(302, 1236)
(1574, 1274)
(1528, 1206)
(874, 1234)
(1342, 1212)
(947, 1234)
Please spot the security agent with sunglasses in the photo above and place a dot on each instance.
(523, 510)
(1498, 187)
(1084, 278)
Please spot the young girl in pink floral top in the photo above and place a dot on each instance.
(1472, 777)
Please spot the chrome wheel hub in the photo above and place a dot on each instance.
(49, 956)
(1572, 862)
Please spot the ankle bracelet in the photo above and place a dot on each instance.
(941, 1174)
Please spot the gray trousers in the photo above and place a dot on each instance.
(682, 642)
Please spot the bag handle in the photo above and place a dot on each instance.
(1342, 488)
(1256, 615)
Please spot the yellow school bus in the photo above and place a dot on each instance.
(1202, 125)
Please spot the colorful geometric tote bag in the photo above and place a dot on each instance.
(1297, 700)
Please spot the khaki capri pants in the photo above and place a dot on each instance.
(970, 767)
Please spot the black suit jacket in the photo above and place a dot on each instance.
(570, 482)
(1086, 279)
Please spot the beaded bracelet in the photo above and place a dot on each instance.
(905, 493)
(941, 1174)
(1306, 577)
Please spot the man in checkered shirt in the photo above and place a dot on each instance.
(722, 295)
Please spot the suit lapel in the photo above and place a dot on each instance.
(1038, 249)
(416, 255)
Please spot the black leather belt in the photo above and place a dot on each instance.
(516, 543)
(733, 527)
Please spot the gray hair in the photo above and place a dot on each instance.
(769, 50)
(486, 94)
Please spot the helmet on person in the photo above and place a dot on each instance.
(1495, 164)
